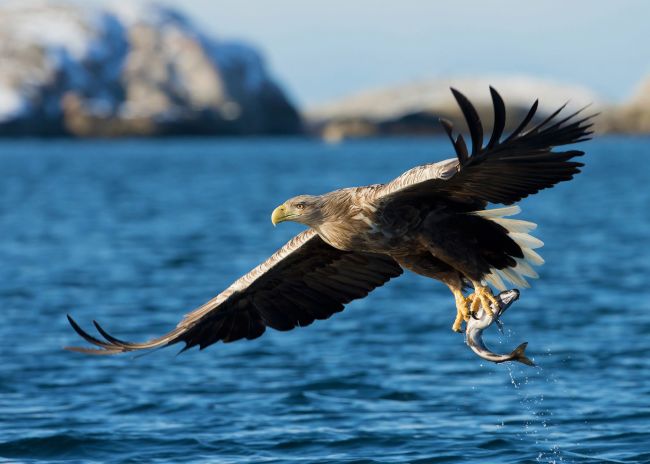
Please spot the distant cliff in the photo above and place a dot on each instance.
(130, 71)
(414, 109)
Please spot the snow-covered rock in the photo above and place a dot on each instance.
(414, 108)
(129, 70)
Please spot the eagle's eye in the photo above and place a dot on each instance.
(300, 206)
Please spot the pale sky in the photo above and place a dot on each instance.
(321, 50)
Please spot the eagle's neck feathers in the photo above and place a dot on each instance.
(345, 220)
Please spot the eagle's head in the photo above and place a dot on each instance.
(305, 209)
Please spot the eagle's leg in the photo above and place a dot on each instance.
(482, 296)
(462, 309)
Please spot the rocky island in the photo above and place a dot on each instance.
(414, 108)
(130, 70)
(133, 70)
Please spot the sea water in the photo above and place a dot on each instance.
(137, 233)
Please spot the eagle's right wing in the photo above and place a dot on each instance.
(505, 170)
(306, 279)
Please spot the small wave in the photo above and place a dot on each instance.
(401, 396)
(51, 445)
(88, 446)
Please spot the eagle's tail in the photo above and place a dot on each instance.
(518, 232)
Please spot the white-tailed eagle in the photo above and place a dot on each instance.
(432, 220)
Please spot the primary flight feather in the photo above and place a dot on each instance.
(432, 220)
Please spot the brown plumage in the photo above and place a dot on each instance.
(431, 220)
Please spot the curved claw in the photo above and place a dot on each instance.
(483, 297)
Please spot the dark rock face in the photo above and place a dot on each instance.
(130, 72)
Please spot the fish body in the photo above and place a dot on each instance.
(475, 328)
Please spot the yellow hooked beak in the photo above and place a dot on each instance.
(279, 214)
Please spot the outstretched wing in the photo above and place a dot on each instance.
(505, 170)
(304, 280)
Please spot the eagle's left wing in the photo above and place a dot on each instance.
(505, 170)
(306, 279)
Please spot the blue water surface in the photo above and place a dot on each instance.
(137, 233)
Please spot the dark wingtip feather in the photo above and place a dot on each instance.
(472, 119)
(550, 117)
(569, 117)
(524, 122)
(184, 349)
(85, 335)
(593, 115)
(109, 337)
(461, 149)
(499, 118)
(448, 127)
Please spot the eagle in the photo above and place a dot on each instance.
(433, 220)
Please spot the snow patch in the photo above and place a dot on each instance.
(12, 104)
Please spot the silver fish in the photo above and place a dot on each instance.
(475, 328)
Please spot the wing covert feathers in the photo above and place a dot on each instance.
(303, 281)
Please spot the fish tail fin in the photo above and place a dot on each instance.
(519, 354)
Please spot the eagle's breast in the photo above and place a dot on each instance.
(364, 227)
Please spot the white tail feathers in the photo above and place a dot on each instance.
(495, 280)
(499, 212)
(518, 231)
(516, 226)
(524, 269)
(532, 257)
(525, 240)
(514, 277)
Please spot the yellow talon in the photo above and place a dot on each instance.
(482, 296)
(458, 323)
(462, 311)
